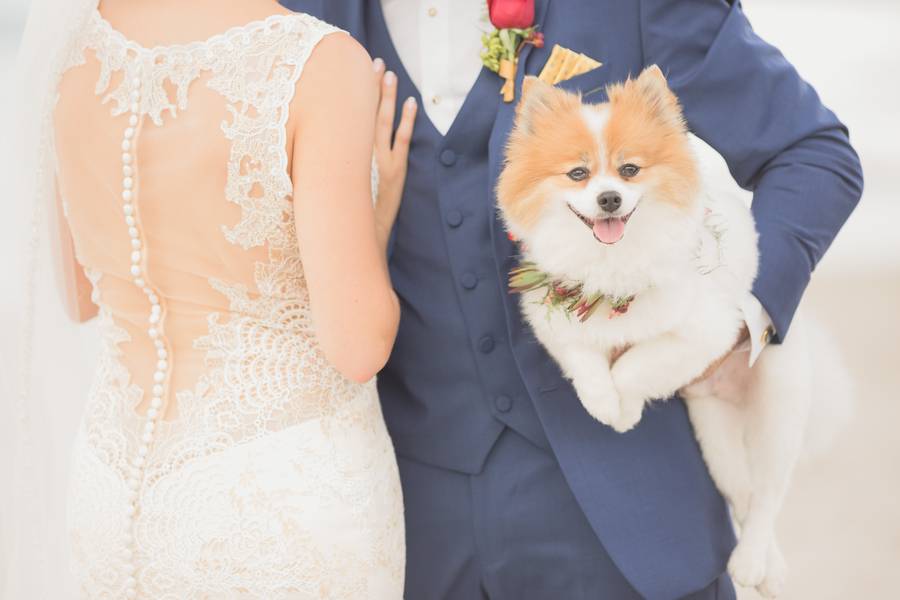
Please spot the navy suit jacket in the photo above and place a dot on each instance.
(647, 493)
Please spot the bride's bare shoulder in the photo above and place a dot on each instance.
(343, 54)
(338, 77)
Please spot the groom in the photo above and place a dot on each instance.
(512, 491)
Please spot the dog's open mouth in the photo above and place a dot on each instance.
(607, 230)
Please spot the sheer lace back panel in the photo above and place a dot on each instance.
(207, 191)
(220, 454)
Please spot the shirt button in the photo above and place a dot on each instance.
(435, 99)
(454, 218)
(448, 158)
(503, 403)
(486, 344)
(432, 12)
(469, 281)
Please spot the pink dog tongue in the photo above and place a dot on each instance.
(609, 231)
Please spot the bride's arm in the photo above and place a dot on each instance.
(73, 285)
(354, 308)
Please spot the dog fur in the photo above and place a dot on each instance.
(684, 246)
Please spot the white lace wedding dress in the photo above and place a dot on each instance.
(220, 455)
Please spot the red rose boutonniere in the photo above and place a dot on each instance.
(511, 14)
(514, 22)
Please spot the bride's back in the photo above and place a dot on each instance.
(174, 160)
(272, 475)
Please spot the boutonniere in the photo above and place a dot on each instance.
(514, 28)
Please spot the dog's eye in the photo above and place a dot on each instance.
(629, 170)
(578, 174)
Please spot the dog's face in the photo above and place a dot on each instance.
(604, 170)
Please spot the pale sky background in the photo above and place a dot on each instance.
(841, 526)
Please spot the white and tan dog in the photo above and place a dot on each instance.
(634, 242)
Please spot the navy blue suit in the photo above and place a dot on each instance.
(512, 490)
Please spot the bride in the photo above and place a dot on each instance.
(212, 209)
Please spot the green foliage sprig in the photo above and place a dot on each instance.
(505, 44)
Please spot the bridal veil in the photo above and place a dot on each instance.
(45, 359)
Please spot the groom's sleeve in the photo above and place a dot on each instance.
(746, 100)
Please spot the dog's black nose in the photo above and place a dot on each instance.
(609, 201)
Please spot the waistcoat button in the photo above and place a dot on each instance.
(503, 403)
(486, 344)
(469, 281)
(448, 158)
(454, 218)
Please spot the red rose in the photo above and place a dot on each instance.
(511, 14)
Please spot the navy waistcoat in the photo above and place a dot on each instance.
(465, 387)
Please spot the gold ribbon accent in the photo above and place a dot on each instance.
(508, 72)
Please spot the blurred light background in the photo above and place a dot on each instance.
(841, 526)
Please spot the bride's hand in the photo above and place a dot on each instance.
(391, 158)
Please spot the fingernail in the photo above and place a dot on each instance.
(377, 64)
(410, 102)
(389, 78)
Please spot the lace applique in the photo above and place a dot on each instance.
(112, 380)
(256, 69)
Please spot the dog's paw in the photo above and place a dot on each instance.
(747, 565)
(601, 402)
(776, 574)
(629, 415)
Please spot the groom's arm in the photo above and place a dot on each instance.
(747, 101)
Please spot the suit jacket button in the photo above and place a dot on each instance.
(486, 344)
(469, 281)
(503, 403)
(454, 218)
(448, 158)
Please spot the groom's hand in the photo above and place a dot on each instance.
(743, 336)
(390, 157)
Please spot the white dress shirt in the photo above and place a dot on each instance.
(439, 42)
(440, 48)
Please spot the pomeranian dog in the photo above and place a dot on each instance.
(636, 257)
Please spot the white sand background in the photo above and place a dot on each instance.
(841, 525)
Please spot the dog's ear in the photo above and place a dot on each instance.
(652, 80)
(652, 89)
(652, 83)
(537, 97)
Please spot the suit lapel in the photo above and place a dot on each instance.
(504, 249)
(527, 52)
(503, 124)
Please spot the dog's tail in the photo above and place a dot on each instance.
(833, 392)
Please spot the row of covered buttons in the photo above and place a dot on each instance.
(448, 159)
(469, 281)
(454, 219)
(155, 331)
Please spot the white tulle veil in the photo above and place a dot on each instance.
(46, 360)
